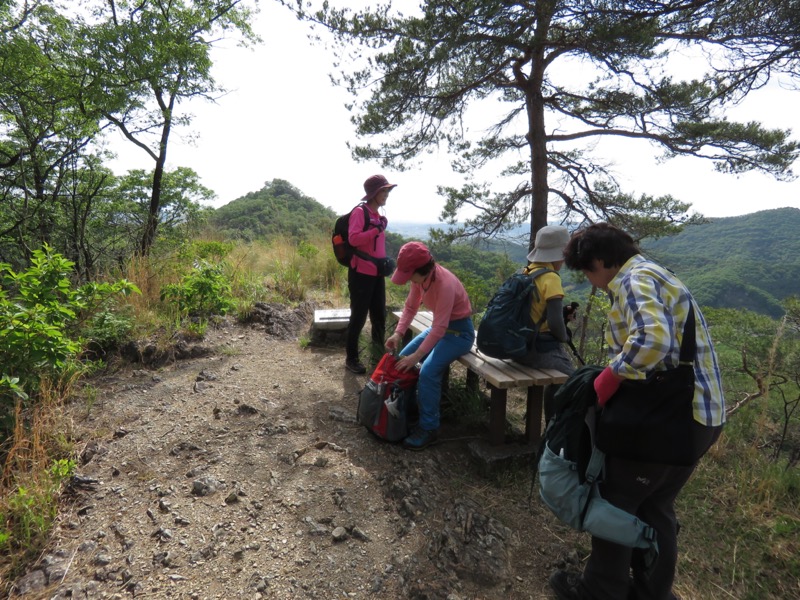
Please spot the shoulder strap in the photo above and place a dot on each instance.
(540, 271)
(689, 341)
(533, 275)
(367, 223)
(363, 206)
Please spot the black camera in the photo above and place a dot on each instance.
(570, 311)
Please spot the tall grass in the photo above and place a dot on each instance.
(740, 533)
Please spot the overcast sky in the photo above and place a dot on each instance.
(282, 119)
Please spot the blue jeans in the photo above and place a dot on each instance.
(456, 342)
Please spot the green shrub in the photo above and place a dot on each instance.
(203, 292)
(29, 511)
(211, 251)
(107, 330)
(289, 282)
(40, 318)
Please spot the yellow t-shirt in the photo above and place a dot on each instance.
(549, 286)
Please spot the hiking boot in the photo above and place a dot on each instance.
(567, 586)
(420, 438)
(354, 366)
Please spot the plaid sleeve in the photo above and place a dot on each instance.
(642, 325)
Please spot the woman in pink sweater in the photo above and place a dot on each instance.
(449, 337)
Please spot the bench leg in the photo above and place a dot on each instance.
(472, 382)
(533, 414)
(497, 416)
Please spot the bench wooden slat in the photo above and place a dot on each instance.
(499, 375)
(519, 375)
(421, 320)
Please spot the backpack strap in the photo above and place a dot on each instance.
(367, 224)
(532, 275)
(540, 271)
(689, 341)
(594, 468)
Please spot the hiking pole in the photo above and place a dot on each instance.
(569, 315)
(575, 352)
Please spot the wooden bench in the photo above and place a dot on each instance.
(501, 375)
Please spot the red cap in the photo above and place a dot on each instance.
(412, 256)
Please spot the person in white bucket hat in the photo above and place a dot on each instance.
(548, 308)
(549, 245)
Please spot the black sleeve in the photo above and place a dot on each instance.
(555, 319)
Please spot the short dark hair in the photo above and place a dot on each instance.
(602, 241)
(425, 269)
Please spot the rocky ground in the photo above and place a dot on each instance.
(234, 468)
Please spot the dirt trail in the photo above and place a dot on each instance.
(241, 473)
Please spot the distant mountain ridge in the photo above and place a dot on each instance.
(748, 262)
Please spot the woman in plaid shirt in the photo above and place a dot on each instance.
(649, 307)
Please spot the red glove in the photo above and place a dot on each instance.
(606, 384)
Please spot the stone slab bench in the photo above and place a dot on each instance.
(331, 319)
(500, 376)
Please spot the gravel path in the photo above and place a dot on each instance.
(239, 472)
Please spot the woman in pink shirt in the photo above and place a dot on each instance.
(366, 285)
(449, 337)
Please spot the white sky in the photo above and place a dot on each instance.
(283, 119)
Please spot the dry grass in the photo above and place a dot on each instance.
(30, 486)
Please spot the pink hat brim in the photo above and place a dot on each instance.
(401, 277)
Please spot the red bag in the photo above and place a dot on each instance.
(384, 402)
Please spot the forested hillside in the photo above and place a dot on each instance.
(750, 262)
(278, 208)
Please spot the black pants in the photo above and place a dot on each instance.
(367, 296)
(647, 490)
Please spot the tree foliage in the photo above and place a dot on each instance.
(563, 75)
(143, 60)
(760, 39)
(67, 77)
(48, 177)
(180, 214)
